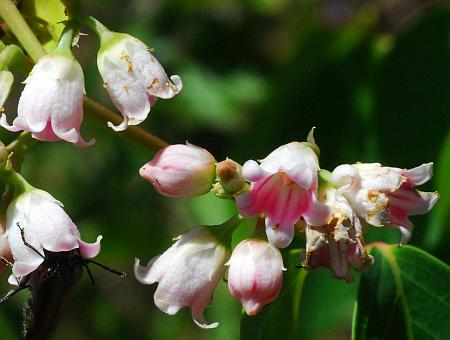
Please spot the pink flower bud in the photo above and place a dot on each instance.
(181, 170)
(46, 226)
(51, 104)
(255, 275)
(187, 273)
(283, 189)
(229, 179)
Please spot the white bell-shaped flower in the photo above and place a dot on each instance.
(133, 77)
(187, 273)
(45, 226)
(51, 104)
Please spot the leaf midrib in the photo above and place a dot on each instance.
(386, 251)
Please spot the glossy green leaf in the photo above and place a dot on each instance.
(283, 315)
(405, 295)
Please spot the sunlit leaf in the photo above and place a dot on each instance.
(405, 295)
(45, 18)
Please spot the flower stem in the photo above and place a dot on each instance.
(64, 46)
(12, 56)
(224, 232)
(19, 183)
(95, 25)
(19, 147)
(139, 135)
(23, 33)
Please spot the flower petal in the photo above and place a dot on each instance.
(419, 175)
(90, 250)
(317, 213)
(302, 175)
(279, 236)
(127, 92)
(252, 171)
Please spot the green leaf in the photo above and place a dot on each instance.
(282, 315)
(45, 18)
(438, 231)
(405, 295)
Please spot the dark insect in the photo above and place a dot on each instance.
(50, 286)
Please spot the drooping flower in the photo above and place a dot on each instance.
(181, 170)
(255, 274)
(339, 244)
(6, 81)
(132, 76)
(51, 104)
(45, 226)
(283, 189)
(187, 273)
(386, 196)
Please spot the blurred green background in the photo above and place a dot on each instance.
(372, 76)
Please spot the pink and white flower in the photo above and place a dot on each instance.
(181, 171)
(51, 104)
(338, 245)
(187, 273)
(133, 77)
(46, 226)
(386, 196)
(283, 189)
(255, 275)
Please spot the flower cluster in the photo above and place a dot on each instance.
(51, 103)
(288, 192)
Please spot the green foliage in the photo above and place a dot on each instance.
(45, 17)
(403, 296)
(439, 231)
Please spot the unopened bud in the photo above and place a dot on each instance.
(181, 171)
(255, 274)
(229, 178)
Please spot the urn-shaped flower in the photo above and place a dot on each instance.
(187, 273)
(51, 104)
(133, 77)
(181, 170)
(255, 274)
(283, 189)
(36, 220)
